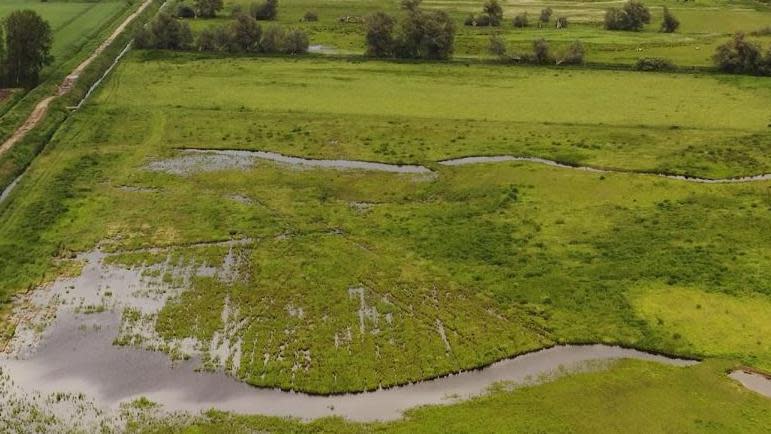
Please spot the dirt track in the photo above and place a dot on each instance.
(66, 86)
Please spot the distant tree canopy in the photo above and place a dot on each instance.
(420, 35)
(632, 16)
(26, 48)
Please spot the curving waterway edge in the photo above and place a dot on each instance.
(238, 158)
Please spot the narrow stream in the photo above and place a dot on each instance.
(197, 160)
(503, 158)
(8, 190)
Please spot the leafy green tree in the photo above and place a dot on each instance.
(497, 46)
(494, 12)
(170, 33)
(246, 33)
(207, 8)
(669, 24)
(273, 40)
(541, 52)
(739, 56)
(379, 34)
(28, 40)
(632, 16)
(425, 35)
(520, 20)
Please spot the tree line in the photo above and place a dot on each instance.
(243, 34)
(25, 48)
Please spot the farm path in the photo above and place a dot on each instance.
(68, 84)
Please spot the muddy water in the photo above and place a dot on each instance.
(193, 160)
(753, 381)
(503, 158)
(202, 160)
(76, 354)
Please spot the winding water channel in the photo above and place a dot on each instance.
(193, 160)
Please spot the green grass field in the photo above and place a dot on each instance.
(417, 113)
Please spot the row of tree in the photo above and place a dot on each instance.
(265, 11)
(242, 35)
(419, 35)
(25, 48)
(541, 53)
(492, 15)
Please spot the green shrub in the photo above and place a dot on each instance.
(310, 16)
(654, 64)
(739, 56)
(520, 20)
(574, 55)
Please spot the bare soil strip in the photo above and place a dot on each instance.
(66, 86)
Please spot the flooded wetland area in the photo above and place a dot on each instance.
(301, 237)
